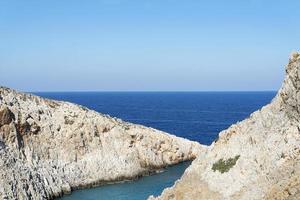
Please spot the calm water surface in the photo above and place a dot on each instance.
(198, 116)
(133, 190)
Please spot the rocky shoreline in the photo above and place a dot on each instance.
(258, 158)
(49, 148)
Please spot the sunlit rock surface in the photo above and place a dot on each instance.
(48, 148)
(258, 158)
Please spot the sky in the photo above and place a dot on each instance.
(146, 45)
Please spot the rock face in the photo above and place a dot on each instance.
(258, 158)
(48, 148)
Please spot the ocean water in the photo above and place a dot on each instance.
(197, 116)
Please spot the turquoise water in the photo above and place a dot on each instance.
(132, 190)
(198, 116)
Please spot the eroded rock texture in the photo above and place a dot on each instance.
(48, 148)
(258, 158)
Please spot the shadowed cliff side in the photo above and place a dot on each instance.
(258, 158)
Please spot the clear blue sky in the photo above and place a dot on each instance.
(146, 45)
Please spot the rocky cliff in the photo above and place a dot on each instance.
(258, 158)
(48, 148)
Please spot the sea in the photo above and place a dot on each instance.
(197, 116)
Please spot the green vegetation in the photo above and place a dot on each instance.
(225, 165)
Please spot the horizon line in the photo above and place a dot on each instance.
(147, 91)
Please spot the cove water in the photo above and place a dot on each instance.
(197, 116)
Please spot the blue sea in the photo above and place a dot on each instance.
(197, 116)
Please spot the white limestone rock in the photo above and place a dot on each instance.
(267, 151)
(48, 148)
